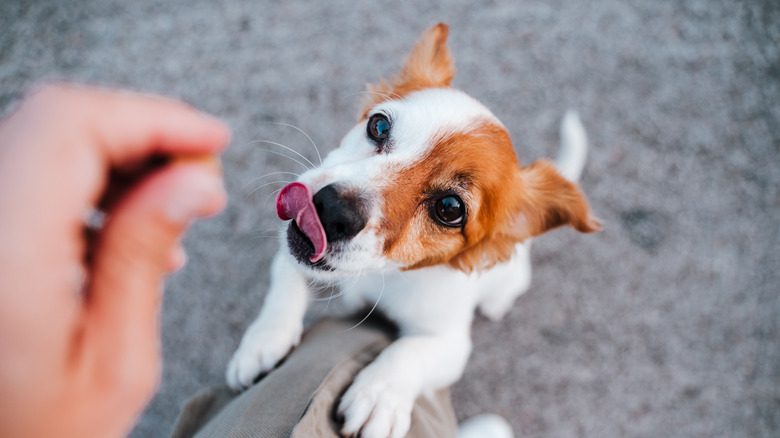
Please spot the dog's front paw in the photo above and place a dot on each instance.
(374, 408)
(260, 350)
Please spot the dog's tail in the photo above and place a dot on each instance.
(574, 147)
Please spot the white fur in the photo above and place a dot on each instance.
(485, 426)
(574, 147)
(433, 307)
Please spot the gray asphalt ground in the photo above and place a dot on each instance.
(663, 325)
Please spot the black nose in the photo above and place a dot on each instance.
(341, 213)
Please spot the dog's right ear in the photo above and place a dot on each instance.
(547, 201)
(429, 65)
(532, 201)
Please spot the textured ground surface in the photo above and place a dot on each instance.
(665, 324)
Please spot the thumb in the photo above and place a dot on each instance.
(134, 252)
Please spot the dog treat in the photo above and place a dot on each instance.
(201, 158)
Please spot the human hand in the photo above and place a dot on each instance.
(79, 331)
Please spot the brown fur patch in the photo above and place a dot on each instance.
(552, 201)
(504, 204)
(429, 65)
(473, 165)
(541, 200)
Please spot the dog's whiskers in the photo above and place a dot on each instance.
(320, 289)
(317, 292)
(317, 288)
(267, 175)
(287, 148)
(328, 298)
(266, 185)
(379, 298)
(316, 149)
(304, 165)
(269, 231)
(259, 236)
(354, 282)
(262, 236)
(345, 290)
(274, 193)
(342, 290)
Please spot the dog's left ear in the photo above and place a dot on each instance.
(536, 200)
(429, 65)
(546, 201)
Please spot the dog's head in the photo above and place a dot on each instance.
(427, 177)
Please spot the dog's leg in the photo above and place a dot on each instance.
(379, 402)
(276, 330)
(500, 286)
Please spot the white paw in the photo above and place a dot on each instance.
(260, 350)
(374, 408)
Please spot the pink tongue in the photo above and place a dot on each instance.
(295, 202)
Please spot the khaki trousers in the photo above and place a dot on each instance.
(299, 398)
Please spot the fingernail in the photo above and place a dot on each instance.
(201, 194)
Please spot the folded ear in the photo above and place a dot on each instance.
(429, 65)
(534, 200)
(548, 200)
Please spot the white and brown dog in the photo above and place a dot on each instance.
(425, 203)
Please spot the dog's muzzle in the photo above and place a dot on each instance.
(331, 216)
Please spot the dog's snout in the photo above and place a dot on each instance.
(341, 213)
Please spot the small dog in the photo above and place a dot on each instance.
(424, 202)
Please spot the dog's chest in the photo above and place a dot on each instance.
(421, 300)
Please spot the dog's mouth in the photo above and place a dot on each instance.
(305, 235)
(302, 248)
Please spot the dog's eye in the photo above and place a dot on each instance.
(450, 211)
(378, 128)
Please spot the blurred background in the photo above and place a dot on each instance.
(664, 324)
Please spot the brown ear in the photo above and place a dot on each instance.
(429, 65)
(538, 200)
(549, 201)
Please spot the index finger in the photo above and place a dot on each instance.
(128, 126)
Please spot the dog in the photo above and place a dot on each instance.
(425, 203)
